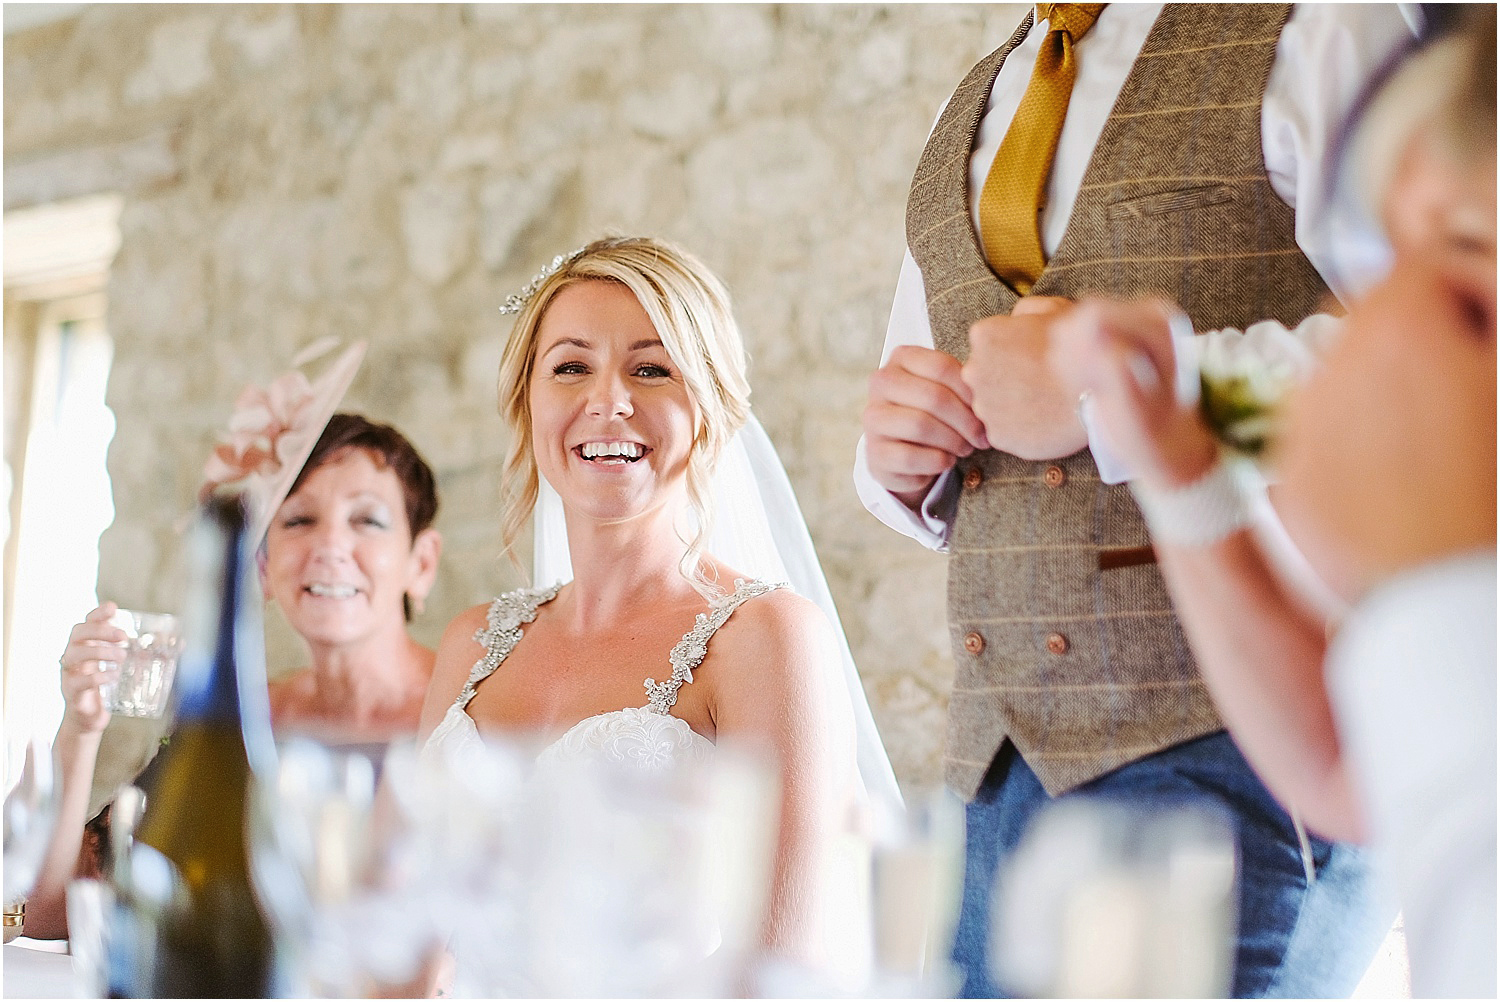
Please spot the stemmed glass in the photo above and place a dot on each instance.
(457, 821)
(367, 885)
(312, 842)
(917, 883)
(30, 812)
(645, 882)
(586, 877)
(1112, 899)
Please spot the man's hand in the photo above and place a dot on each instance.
(1121, 354)
(919, 422)
(1025, 409)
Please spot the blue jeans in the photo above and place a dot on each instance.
(1295, 940)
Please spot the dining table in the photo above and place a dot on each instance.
(39, 969)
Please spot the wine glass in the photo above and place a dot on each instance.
(917, 884)
(649, 882)
(456, 820)
(366, 885)
(1115, 899)
(584, 878)
(30, 812)
(311, 843)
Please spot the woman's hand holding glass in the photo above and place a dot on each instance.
(91, 660)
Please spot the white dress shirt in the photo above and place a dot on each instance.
(1325, 55)
(1411, 676)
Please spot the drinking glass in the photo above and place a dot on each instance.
(30, 811)
(153, 643)
(648, 882)
(310, 841)
(917, 885)
(1112, 899)
(365, 886)
(455, 818)
(583, 878)
(89, 902)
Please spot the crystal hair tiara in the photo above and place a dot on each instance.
(516, 301)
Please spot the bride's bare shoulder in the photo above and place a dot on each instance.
(779, 628)
(773, 666)
(464, 625)
(456, 652)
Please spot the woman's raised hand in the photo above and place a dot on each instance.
(1121, 355)
(95, 648)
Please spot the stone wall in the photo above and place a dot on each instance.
(392, 172)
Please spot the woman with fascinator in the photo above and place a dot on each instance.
(343, 509)
(662, 622)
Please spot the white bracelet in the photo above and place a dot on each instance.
(1200, 514)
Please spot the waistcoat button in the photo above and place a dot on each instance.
(973, 643)
(973, 477)
(1057, 643)
(1054, 476)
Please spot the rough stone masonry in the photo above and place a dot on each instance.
(392, 172)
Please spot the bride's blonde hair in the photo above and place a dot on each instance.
(689, 307)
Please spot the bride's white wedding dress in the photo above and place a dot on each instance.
(646, 736)
(575, 947)
(758, 528)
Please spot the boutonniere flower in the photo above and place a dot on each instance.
(1241, 403)
(1247, 378)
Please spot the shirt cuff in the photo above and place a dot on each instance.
(929, 526)
(1112, 469)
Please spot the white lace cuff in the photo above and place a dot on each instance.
(1200, 514)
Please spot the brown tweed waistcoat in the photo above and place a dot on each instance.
(1065, 641)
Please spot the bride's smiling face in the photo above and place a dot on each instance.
(612, 421)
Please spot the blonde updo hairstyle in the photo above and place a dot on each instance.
(690, 309)
(1442, 94)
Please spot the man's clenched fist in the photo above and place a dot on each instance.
(1025, 410)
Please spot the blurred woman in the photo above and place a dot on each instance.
(348, 556)
(1387, 472)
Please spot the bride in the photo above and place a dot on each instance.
(624, 386)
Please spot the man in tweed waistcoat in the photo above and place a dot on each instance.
(1188, 162)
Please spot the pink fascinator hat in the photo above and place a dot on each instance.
(273, 429)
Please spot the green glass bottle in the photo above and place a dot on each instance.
(211, 939)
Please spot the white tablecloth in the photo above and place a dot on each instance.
(38, 972)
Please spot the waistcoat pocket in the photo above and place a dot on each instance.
(1172, 200)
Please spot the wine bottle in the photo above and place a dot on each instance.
(210, 937)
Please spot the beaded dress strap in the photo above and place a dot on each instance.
(693, 647)
(503, 632)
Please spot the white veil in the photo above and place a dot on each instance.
(757, 529)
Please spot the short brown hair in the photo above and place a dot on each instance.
(391, 451)
(394, 452)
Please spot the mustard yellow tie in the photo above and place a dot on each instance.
(1016, 188)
